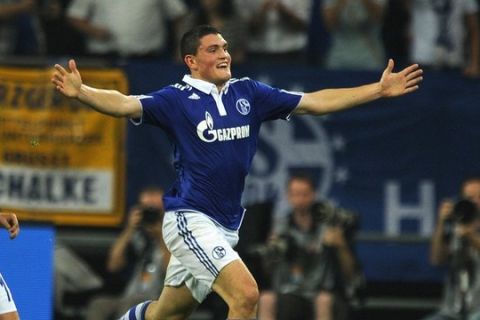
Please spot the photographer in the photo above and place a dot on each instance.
(456, 244)
(312, 259)
(140, 245)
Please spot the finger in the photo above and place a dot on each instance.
(414, 81)
(411, 89)
(73, 66)
(61, 69)
(58, 84)
(61, 90)
(14, 233)
(54, 79)
(14, 230)
(5, 223)
(410, 69)
(58, 77)
(14, 220)
(414, 74)
(390, 65)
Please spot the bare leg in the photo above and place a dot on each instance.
(324, 306)
(174, 304)
(124, 303)
(267, 307)
(9, 316)
(237, 287)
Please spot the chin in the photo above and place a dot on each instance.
(227, 73)
(224, 78)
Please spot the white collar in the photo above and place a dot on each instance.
(202, 85)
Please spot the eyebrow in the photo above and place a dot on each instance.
(225, 44)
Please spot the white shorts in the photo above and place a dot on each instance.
(200, 248)
(6, 300)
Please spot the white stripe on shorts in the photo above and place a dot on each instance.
(193, 244)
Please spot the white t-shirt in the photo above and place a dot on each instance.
(276, 36)
(438, 32)
(137, 27)
(356, 40)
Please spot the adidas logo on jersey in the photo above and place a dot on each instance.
(194, 96)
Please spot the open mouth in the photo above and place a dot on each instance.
(223, 65)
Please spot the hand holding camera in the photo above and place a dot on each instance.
(134, 218)
(334, 237)
(445, 210)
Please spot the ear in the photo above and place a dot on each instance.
(190, 61)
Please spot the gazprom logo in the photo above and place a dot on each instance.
(207, 133)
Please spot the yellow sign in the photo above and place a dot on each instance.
(60, 161)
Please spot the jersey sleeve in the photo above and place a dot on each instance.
(272, 103)
(157, 108)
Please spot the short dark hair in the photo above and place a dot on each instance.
(191, 39)
(302, 176)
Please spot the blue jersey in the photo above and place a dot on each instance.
(215, 138)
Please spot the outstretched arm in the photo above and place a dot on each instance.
(391, 84)
(10, 222)
(110, 102)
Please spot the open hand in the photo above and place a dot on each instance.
(67, 82)
(400, 83)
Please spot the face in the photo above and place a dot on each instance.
(301, 195)
(152, 199)
(471, 191)
(212, 60)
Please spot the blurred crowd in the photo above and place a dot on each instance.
(335, 34)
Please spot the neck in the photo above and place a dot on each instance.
(220, 87)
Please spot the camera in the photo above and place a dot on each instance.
(150, 215)
(272, 250)
(464, 212)
(327, 213)
(323, 213)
